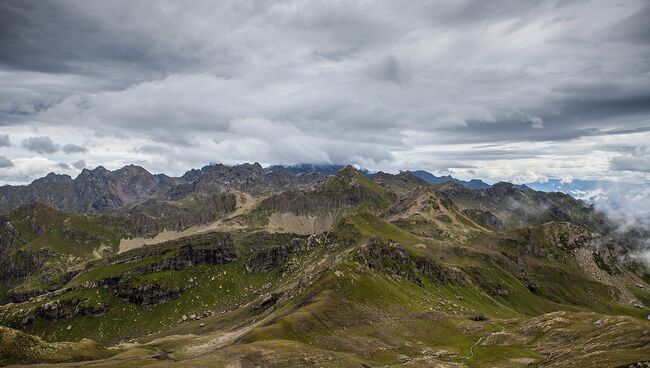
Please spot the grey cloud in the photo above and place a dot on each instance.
(388, 69)
(334, 55)
(73, 148)
(119, 40)
(331, 81)
(633, 29)
(4, 140)
(81, 164)
(631, 163)
(64, 166)
(40, 144)
(5, 162)
(153, 149)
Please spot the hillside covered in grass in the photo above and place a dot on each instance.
(281, 269)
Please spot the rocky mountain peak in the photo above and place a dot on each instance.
(347, 176)
(349, 171)
(53, 178)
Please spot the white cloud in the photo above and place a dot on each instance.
(26, 169)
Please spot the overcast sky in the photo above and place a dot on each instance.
(500, 90)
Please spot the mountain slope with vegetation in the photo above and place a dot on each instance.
(333, 271)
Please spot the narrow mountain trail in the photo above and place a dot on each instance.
(471, 348)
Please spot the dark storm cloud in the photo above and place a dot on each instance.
(40, 144)
(4, 140)
(376, 83)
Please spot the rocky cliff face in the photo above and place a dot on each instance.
(485, 218)
(147, 295)
(50, 189)
(391, 257)
(518, 207)
(200, 209)
(248, 178)
(96, 190)
(347, 189)
(267, 259)
(101, 190)
(70, 308)
(210, 248)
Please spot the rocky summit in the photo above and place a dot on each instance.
(314, 265)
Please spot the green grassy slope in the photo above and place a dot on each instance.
(381, 288)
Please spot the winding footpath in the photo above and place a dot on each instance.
(471, 348)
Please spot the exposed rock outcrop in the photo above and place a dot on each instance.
(485, 218)
(147, 295)
(347, 189)
(378, 254)
(267, 259)
(69, 308)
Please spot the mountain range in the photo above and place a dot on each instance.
(314, 265)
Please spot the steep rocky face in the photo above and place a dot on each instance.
(485, 218)
(248, 178)
(199, 209)
(50, 189)
(209, 248)
(96, 190)
(22, 263)
(267, 259)
(9, 239)
(70, 308)
(189, 256)
(99, 190)
(348, 188)
(518, 207)
(148, 295)
(391, 257)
